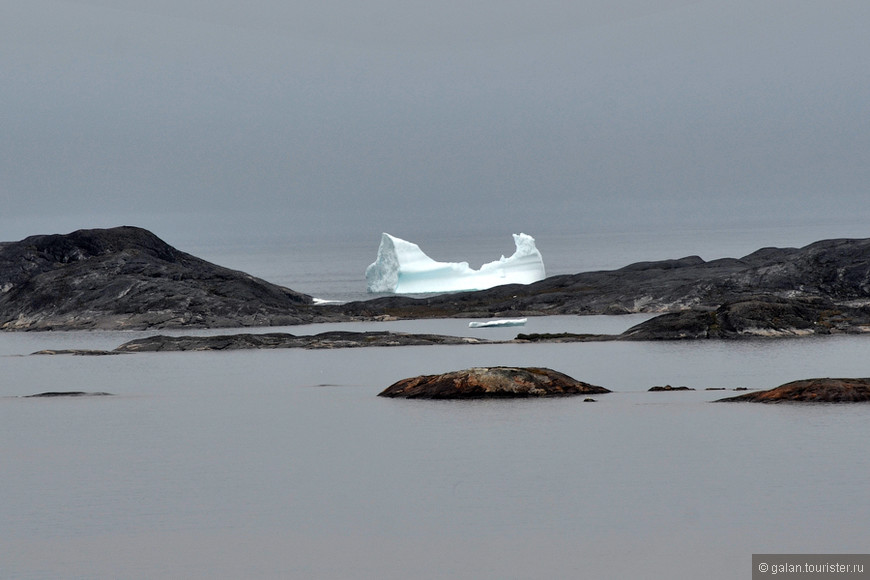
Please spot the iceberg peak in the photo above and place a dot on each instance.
(402, 267)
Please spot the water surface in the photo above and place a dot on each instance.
(285, 463)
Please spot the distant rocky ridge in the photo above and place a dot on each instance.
(127, 278)
(823, 288)
(835, 270)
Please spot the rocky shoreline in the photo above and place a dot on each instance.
(833, 270)
(127, 278)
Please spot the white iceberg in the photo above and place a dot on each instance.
(402, 268)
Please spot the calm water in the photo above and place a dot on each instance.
(270, 464)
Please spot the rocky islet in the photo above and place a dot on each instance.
(818, 390)
(491, 383)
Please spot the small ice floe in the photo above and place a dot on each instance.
(498, 323)
(322, 301)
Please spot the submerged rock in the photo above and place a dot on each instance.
(824, 390)
(49, 394)
(564, 337)
(491, 382)
(76, 351)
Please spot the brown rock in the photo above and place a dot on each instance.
(811, 391)
(491, 382)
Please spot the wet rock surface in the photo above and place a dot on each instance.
(491, 382)
(822, 390)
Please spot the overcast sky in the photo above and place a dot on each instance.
(391, 115)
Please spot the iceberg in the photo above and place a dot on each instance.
(401, 267)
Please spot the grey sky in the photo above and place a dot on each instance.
(392, 115)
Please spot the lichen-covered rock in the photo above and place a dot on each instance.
(491, 382)
(810, 391)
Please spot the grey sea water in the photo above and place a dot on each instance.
(285, 464)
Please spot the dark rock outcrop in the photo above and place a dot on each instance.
(491, 382)
(836, 270)
(810, 391)
(334, 339)
(564, 337)
(659, 388)
(75, 351)
(128, 278)
(756, 316)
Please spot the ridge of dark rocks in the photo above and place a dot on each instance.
(128, 278)
(761, 316)
(837, 270)
(273, 340)
(323, 340)
(54, 394)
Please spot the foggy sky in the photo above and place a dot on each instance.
(404, 115)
